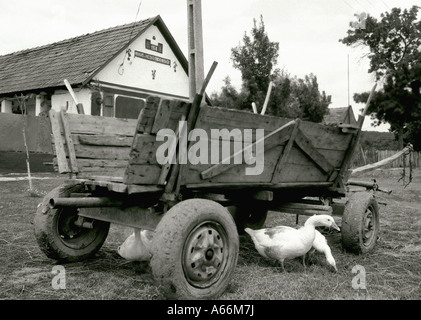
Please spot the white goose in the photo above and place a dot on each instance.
(137, 246)
(280, 243)
(320, 245)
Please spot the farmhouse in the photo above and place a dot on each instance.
(111, 71)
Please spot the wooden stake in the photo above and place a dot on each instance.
(79, 106)
(265, 105)
(253, 105)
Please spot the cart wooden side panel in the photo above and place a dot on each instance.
(294, 151)
(91, 147)
(120, 150)
(143, 167)
(301, 152)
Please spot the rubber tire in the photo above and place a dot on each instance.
(353, 222)
(252, 215)
(46, 224)
(170, 237)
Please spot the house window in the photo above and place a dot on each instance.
(157, 48)
(108, 110)
(128, 107)
(27, 107)
(96, 102)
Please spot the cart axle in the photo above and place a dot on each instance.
(91, 202)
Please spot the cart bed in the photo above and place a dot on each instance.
(121, 151)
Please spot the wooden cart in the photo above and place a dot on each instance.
(196, 210)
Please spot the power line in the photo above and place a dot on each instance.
(385, 5)
(135, 19)
(372, 5)
(364, 8)
(348, 5)
(128, 51)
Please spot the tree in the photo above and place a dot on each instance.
(313, 104)
(228, 96)
(395, 44)
(291, 97)
(256, 59)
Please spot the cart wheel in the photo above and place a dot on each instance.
(251, 216)
(195, 250)
(360, 223)
(58, 236)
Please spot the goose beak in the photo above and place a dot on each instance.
(335, 226)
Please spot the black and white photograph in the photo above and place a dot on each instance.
(210, 155)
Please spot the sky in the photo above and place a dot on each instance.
(308, 32)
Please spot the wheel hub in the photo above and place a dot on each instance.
(368, 227)
(67, 227)
(209, 254)
(203, 255)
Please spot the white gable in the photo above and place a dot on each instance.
(149, 65)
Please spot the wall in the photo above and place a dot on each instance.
(38, 133)
(6, 106)
(149, 75)
(62, 99)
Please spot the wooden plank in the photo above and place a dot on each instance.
(162, 117)
(69, 143)
(147, 115)
(302, 206)
(217, 117)
(134, 217)
(103, 140)
(101, 152)
(144, 149)
(270, 186)
(101, 164)
(134, 189)
(101, 169)
(263, 195)
(323, 137)
(111, 186)
(326, 137)
(142, 174)
(237, 173)
(299, 167)
(63, 166)
(85, 124)
(117, 187)
(172, 154)
(276, 177)
(306, 145)
(99, 178)
(302, 212)
(228, 163)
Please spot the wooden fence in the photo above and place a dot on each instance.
(364, 157)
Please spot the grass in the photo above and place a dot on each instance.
(393, 268)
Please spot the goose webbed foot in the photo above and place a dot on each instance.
(280, 264)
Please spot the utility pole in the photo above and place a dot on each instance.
(348, 80)
(195, 39)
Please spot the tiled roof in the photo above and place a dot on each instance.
(75, 59)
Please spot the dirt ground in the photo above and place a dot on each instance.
(391, 271)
